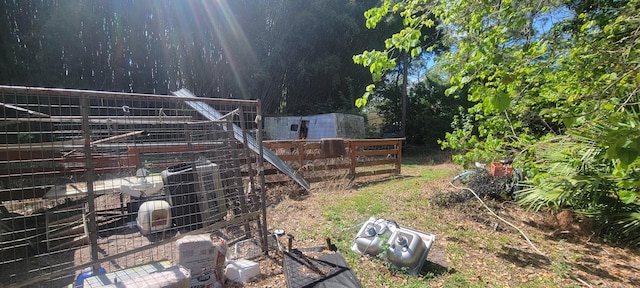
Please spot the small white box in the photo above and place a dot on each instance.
(242, 270)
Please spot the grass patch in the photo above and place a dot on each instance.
(468, 247)
(458, 280)
(388, 199)
(433, 174)
(367, 201)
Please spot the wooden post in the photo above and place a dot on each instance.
(399, 156)
(134, 157)
(352, 156)
(247, 157)
(237, 173)
(265, 242)
(301, 153)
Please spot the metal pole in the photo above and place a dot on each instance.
(261, 176)
(89, 175)
(238, 176)
(247, 153)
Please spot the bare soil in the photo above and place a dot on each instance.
(465, 246)
(574, 255)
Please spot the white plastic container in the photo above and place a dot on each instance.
(154, 216)
(199, 254)
(174, 277)
(153, 274)
(242, 270)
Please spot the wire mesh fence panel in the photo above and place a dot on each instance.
(98, 179)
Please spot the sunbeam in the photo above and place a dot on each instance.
(231, 37)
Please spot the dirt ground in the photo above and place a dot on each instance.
(465, 246)
(575, 257)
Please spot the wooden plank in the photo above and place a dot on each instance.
(312, 146)
(58, 234)
(40, 160)
(313, 154)
(329, 167)
(373, 142)
(279, 145)
(295, 158)
(377, 152)
(72, 218)
(185, 147)
(44, 146)
(375, 162)
(278, 181)
(100, 187)
(24, 173)
(118, 137)
(82, 240)
(301, 154)
(28, 155)
(352, 157)
(376, 142)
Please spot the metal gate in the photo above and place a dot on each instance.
(103, 180)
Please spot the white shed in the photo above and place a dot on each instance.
(333, 125)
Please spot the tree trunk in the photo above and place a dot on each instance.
(405, 71)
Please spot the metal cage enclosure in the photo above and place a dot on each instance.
(82, 173)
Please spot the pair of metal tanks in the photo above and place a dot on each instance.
(403, 247)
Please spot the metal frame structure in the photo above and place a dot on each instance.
(68, 156)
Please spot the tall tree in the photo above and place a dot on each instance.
(553, 80)
(293, 55)
(310, 55)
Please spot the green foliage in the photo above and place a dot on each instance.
(584, 171)
(418, 35)
(555, 85)
(426, 105)
(295, 56)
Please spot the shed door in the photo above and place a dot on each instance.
(294, 130)
(304, 129)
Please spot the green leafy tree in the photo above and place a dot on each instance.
(553, 82)
(431, 111)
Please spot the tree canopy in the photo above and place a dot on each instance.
(555, 85)
(293, 55)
